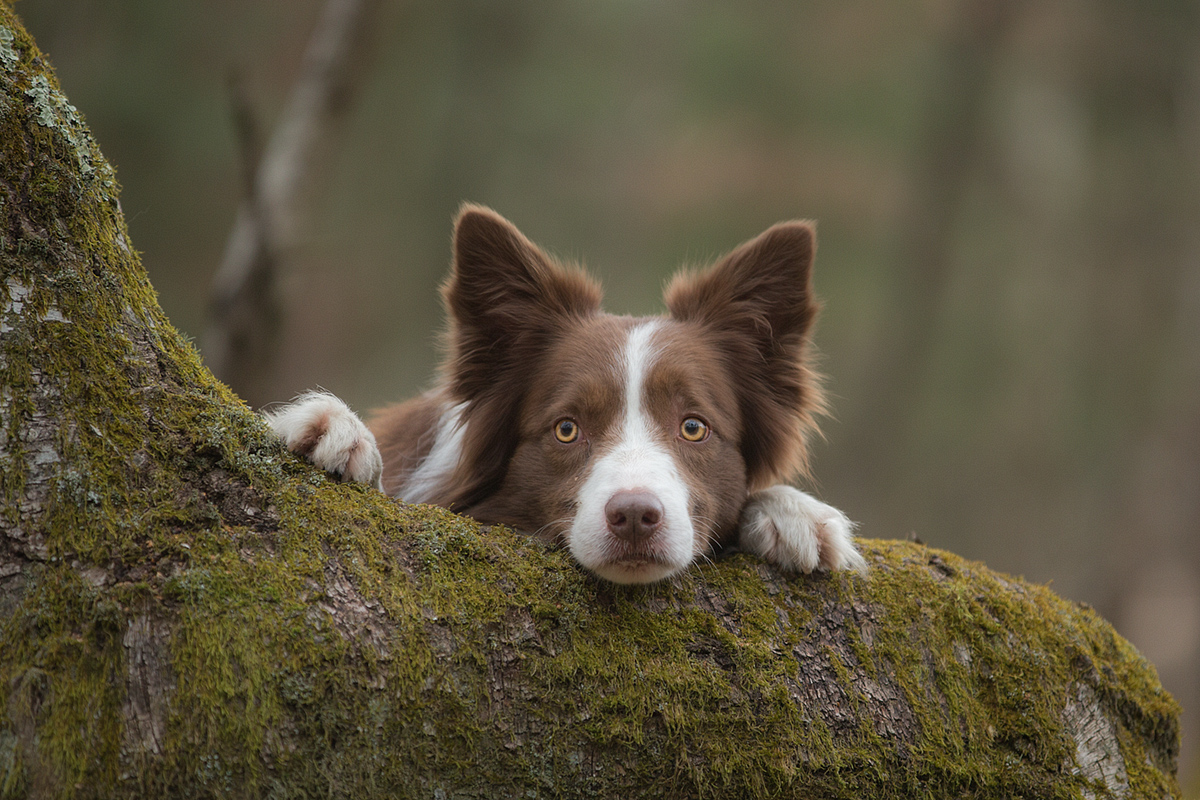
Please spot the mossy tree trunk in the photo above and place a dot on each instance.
(187, 610)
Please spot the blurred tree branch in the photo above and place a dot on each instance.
(244, 312)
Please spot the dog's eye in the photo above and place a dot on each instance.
(566, 431)
(693, 430)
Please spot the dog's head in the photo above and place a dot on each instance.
(633, 441)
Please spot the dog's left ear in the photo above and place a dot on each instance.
(759, 303)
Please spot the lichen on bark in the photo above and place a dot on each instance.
(187, 610)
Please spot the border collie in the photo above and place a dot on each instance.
(641, 444)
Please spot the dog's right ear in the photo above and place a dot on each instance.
(506, 299)
(504, 295)
(499, 273)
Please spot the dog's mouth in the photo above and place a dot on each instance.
(649, 561)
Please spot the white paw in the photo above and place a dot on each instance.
(798, 532)
(323, 429)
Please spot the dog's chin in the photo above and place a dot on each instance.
(635, 569)
(624, 564)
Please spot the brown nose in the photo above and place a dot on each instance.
(633, 515)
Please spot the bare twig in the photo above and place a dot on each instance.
(245, 314)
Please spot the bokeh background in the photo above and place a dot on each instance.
(1008, 195)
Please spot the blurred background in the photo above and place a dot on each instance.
(1008, 196)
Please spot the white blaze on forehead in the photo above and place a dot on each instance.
(633, 457)
(639, 358)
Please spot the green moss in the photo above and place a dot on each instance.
(633, 679)
(62, 666)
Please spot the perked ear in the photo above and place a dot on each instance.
(504, 295)
(505, 299)
(497, 271)
(758, 302)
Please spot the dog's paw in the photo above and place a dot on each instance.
(323, 429)
(798, 532)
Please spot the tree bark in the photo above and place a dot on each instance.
(187, 610)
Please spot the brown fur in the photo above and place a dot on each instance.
(306, 444)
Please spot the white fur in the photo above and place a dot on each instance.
(442, 459)
(346, 448)
(798, 532)
(637, 461)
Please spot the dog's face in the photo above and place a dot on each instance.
(632, 441)
(627, 448)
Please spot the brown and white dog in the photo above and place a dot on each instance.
(640, 444)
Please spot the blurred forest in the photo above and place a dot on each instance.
(1008, 196)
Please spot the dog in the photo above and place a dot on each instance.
(641, 444)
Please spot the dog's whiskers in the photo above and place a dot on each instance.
(558, 529)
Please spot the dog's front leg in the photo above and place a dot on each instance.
(798, 532)
(323, 429)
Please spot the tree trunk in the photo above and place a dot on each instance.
(188, 610)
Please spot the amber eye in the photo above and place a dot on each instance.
(693, 430)
(566, 431)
